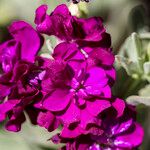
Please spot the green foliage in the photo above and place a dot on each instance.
(29, 138)
(134, 56)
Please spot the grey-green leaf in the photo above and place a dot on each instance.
(136, 100)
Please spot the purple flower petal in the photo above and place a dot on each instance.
(47, 120)
(6, 107)
(61, 9)
(9, 54)
(96, 80)
(43, 20)
(101, 56)
(122, 127)
(68, 133)
(95, 147)
(70, 54)
(96, 75)
(87, 119)
(130, 140)
(14, 124)
(4, 90)
(71, 115)
(58, 100)
(67, 52)
(28, 37)
(97, 106)
(60, 18)
(93, 28)
(119, 106)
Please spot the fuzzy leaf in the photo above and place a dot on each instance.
(136, 100)
(130, 66)
(147, 67)
(145, 91)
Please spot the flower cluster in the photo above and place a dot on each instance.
(72, 89)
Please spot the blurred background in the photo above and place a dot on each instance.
(128, 22)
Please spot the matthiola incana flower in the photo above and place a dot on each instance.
(72, 90)
(85, 32)
(20, 78)
(121, 133)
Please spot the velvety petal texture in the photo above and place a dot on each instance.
(30, 40)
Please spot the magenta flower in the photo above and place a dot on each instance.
(47, 120)
(122, 132)
(113, 133)
(70, 28)
(72, 90)
(19, 82)
(19, 48)
(78, 81)
(103, 58)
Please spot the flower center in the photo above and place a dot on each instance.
(35, 78)
(76, 86)
(78, 90)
